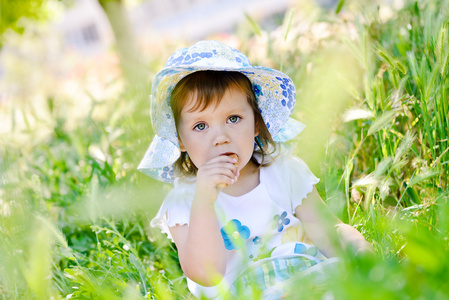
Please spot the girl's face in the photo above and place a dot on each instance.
(222, 129)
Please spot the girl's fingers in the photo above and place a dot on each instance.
(219, 165)
(218, 177)
(219, 172)
(217, 168)
(223, 158)
(224, 182)
(225, 179)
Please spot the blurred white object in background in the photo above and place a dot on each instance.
(85, 27)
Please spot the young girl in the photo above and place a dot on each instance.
(241, 206)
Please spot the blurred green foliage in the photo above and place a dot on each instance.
(12, 11)
(372, 86)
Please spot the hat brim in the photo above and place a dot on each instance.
(159, 159)
(291, 129)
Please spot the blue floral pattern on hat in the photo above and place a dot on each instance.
(275, 94)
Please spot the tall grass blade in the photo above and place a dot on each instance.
(431, 85)
(383, 166)
(442, 51)
(289, 19)
(399, 165)
(437, 160)
(357, 114)
(402, 84)
(37, 270)
(347, 176)
(394, 63)
(423, 176)
(404, 146)
(381, 122)
(356, 50)
(442, 43)
(366, 180)
(340, 5)
(254, 25)
(53, 229)
(412, 194)
(445, 63)
(413, 67)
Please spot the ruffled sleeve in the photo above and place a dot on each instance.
(175, 210)
(302, 180)
(288, 180)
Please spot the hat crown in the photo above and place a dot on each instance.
(210, 55)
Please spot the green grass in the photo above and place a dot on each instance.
(373, 93)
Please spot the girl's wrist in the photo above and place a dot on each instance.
(205, 193)
(205, 198)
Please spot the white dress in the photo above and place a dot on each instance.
(256, 227)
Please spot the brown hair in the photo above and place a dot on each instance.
(210, 87)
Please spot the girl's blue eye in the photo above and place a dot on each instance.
(200, 126)
(234, 119)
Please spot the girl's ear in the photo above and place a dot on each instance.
(181, 145)
(256, 129)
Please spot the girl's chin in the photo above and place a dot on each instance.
(248, 166)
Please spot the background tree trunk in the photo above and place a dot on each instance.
(130, 58)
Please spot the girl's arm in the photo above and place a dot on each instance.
(201, 249)
(325, 230)
(200, 246)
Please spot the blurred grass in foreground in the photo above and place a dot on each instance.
(373, 92)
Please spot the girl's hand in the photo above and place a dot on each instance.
(218, 172)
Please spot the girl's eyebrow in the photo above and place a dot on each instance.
(202, 114)
(236, 110)
(191, 117)
(194, 112)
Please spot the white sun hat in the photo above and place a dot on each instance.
(274, 91)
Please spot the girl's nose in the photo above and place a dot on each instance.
(221, 137)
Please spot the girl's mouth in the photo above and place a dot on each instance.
(233, 155)
(229, 153)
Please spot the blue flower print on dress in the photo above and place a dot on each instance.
(280, 220)
(303, 249)
(234, 234)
